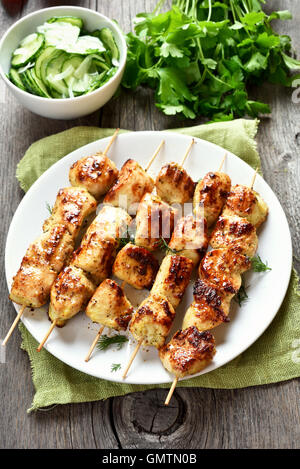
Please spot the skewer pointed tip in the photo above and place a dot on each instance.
(253, 178)
(154, 155)
(188, 150)
(222, 162)
(171, 391)
(17, 319)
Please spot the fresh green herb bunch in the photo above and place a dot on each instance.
(200, 56)
(163, 245)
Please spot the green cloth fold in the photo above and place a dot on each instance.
(272, 358)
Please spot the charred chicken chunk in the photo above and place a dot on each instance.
(95, 256)
(69, 294)
(209, 308)
(153, 320)
(96, 173)
(224, 267)
(154, 220)
(136, 265)
(210, 195)
(133, 182)
(73, 208)
(109, 306)
(188, 352)
(190, 238)
(234, 231)
(246, 203)
(174, 185)
(173, 278)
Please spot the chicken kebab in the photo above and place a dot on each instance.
(152, 322)
(91, 263)
(235, 241)
(74, 208)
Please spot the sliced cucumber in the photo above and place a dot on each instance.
(61, 35)
(108, 40)
(42, 61)
(27, 83)
(16, 79)
(27, 50)
(39, 85)
(84, 74)
(86, 45)
(67, 19)
(53, 71)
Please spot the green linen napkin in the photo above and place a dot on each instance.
(273, 357)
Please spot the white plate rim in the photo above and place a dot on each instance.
(85, 151)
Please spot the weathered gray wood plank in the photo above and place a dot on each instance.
(266, 416)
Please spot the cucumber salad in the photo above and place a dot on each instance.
(63, 60)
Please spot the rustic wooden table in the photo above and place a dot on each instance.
(257, 417)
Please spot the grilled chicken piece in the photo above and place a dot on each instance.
(246, 203)
(133, 182)
(95, 256)
(111, 221)
(190, 238)
(223, 268)
(96, 173)
(174, 185)
(211, 193)
(209, 308)
(154, 220)
(109, 306)
(69, 294)
(231, 231)
(44, 258)
(73, 208)
(188, 352)
(173, 278)
(136, 265)
(32, 283)
(153, 320)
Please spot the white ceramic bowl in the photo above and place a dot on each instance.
(69, 108)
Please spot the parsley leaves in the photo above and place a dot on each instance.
(201, 55)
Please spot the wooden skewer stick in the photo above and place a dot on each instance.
(113, 138)
(172, 389)
(14, 325)
(47, 335)
(55, 321)
(94, 344)
(253, 179)
(137, 348)
(222, 162)
(154, 155)
(187, 152)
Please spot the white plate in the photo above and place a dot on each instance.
(265, 290)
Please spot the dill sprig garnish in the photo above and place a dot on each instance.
(115, 366)
(49, 208)
(258, 265)
(241, 295)
(163, 245)
(104, 342)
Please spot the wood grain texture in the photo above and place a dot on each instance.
(258, 417)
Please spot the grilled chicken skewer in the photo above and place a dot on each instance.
(220, 273)
(134, 265)
(46, 256)
(191, 243)
(91, 263)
